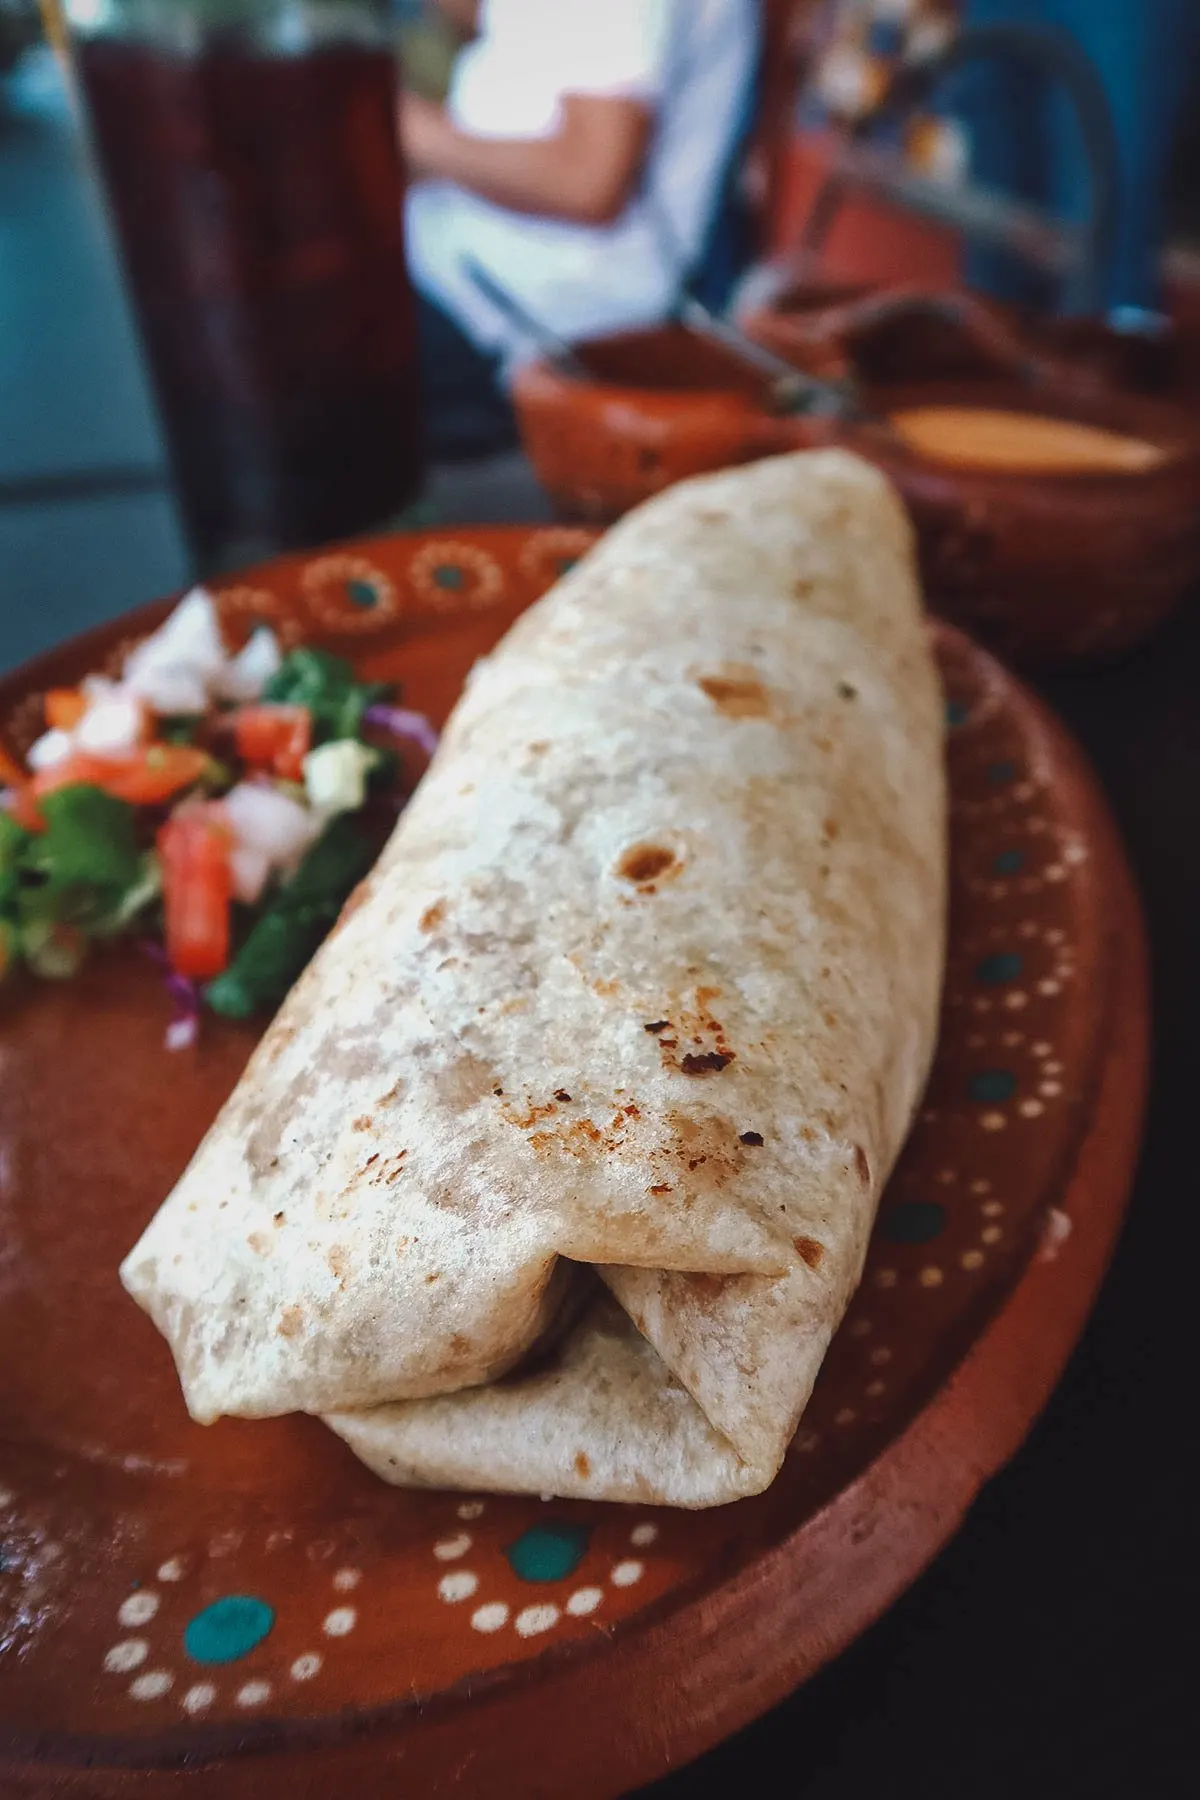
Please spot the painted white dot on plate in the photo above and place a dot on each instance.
(6, 1496)
(1049, 986)
(306, 1666)
(1052, 1068)
(253, 1693)
(807, 1441)
(152, 1685)
(225, 1543)
(138, 1609)
(1041, 1048)
(846, 1416)
(470, 1509)
(881, 1355)
(644, 1533)
(1027, 928)
(448, 1549)
(860, 1328)
(198, 1697)
(172, 1569)
(535, 1619)
(1050, 1088)
(1030, 1109)
(129, 1654)
(584, 1601)
(1016, 1000)
(981, 1185)
(946, 1176)
(1011, 1039)
(625, 1574)
(459, 1585)
(345, 1579)
(993, 1121)
(981, 1004)
(340, 1622)
(1054, 934)
(1024, 790)
(991, 1234)
(991, 1209)
(931, 1276)
(875, 1388)
(490, 1617)
(976, 1040)
(972, 1259)
(884, 1278)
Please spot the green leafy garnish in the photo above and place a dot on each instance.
(326, 685)
(284, 937)
(78, 868)
(181, 730)
(14, 840)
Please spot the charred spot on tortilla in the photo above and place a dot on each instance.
(433, 916)
(291, 1319)
(278, 1218)
(846, 691)
(752, 1138)
(861, 1165)
(583, 1464)
(809, 1251)
(644, 863)
(657, 1025)
(708, 1062)
(738, 693)
(362, 1123)
(562, 1095)
(660, 1187)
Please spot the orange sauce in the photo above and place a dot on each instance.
(1020, 443)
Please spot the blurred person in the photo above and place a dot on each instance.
(583, 160)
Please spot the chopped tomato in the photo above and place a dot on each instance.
(145, 777)
(64, 708)
(11, 772)
(274, 737)
(195, 850)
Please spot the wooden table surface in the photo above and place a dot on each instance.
(1042, 1655)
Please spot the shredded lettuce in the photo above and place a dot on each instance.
(86, 859)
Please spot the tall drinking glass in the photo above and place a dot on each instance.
(249, 152)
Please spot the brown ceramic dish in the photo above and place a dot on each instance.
(664, 405)
(1043, 569)
(243, 1610)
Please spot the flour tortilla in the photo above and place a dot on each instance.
(673, 885)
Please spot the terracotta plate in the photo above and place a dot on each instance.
(246, 1604)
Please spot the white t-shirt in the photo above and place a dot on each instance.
(691, 61)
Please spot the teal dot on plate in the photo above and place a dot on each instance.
(1000, 772)
(228, 1629)
(362, 594)
(548, 1552)
(957, 712)
(566, 564)
(1004, 966)
(992, 1086)
(913, 1222)
(448, 575)
(1009, 862)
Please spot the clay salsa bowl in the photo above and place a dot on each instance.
(1047, 566)
(663, 404)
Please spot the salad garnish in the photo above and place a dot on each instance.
(220, 807)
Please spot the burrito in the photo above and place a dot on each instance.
(556, 1170)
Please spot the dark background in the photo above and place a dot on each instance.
(1050, 1652)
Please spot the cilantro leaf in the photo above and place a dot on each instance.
(326, 685)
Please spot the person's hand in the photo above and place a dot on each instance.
(424, 133)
